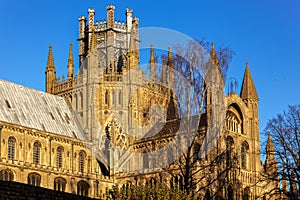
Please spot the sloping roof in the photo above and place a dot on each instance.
(35, 109)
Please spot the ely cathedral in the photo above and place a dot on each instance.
(110, 123)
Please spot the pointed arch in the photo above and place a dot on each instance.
(34, 179)
(246, 194)
(244, 155)
(36, 152)
(230, 193)
(81, 161)
(145, 160)
(229, 148)
(207, 195)
(113, 128)
(83, 188)
(234, 119)
(170, 155)
(76, 101)
(106, 97)
(11, 151)
(59, 156)
(120, 97)
(60, 184)
(7, 175)
(81, 101)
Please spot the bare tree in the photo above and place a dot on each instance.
(284, 130)
(191, 173)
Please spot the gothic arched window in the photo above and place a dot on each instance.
(34, 179)
(153, 182)
(234, 119)
(229, 147)
(113, 98)
(81, 159)
(106, 97)
(145, 160)
(36, 152)
(170, 156)
(196, 150)
(59, 152)
(246, 194)
(76, 102)
(120, 98)
(11, 148)
(207, 195)
(82, 188)
(81, 101)
(244, 155)
(6, 175)
(229, 193)
(60, 184)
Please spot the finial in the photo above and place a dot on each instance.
(170, 57)
(152, 58)
(50, 57)
(213, 51)
(70, 63)
(169, 51)
(70, 52)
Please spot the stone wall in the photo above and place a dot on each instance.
(19, 191)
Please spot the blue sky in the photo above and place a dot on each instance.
(265, 33)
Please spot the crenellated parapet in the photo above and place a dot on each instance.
(111, 34)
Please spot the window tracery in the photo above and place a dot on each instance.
(6, 175)
(60, 184)
(81, 159)
(59, 152)
(244, 151)
(82, 188)
(36, 152)
(34, 179)
(11, 148)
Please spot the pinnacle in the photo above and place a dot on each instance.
(152, 58)
(70, 63)
(170, 57)
(248, 90)
(50, 62)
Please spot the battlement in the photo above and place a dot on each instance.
(104, 24)
(63, 86)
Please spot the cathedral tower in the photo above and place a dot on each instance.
(250, 98)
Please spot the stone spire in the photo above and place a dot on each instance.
(213, 55)
(248, 90)
(50, 71)
(170, 62)
(70, 63)
(152, 64)
(170, 69)
(50, 63)
(214, 59)
(270, 146)
(271, 164)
